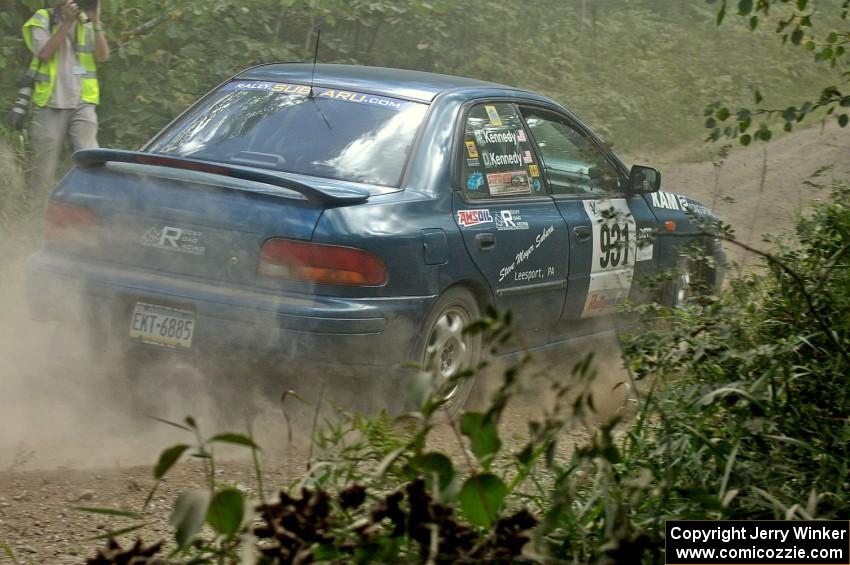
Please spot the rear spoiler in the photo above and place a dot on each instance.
(324, 195)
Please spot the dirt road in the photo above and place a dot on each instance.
(64, 442)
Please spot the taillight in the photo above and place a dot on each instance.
(70, 226)
(321, 264)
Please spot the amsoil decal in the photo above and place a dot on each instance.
(467, 218)
(174, 239)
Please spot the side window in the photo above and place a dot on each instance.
(572, 162)
(497, 158)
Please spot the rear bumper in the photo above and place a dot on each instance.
(363, 331)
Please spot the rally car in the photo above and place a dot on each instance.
(354, 219)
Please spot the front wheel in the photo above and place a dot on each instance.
(688, 282)
(446, 351)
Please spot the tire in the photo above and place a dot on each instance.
(688, 283)
(445, 351)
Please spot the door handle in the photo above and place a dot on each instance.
(583, 233)
(485, 241)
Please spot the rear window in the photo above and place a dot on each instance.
(334, 133)
(498, 160)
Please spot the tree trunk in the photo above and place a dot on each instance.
(583, 16)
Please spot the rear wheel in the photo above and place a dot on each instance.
(447, 351)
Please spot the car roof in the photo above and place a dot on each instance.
(399, 83)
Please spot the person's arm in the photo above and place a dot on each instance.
(68, 13)
(101, 45)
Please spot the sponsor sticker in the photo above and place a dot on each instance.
(471, 149)
(493, 115)
(526, 157)
(533, 170)
(536, 184)
(645, 246)
(173, 238)
(527, 276)
(512, 182)
(467, 218)
(318, 92)
(668, 200)
(509, 220)
(700, 210)
(489, 136)
(473, 163)
(520, 136)
(495, 160)
(524, 254)
(606, 292)
(475, 181)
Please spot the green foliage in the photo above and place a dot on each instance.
(481, 499)
(167, 460)
(483, 435)
(744, 417)
(188, 516)
(757, 417)
(638, 71)
(825, 43)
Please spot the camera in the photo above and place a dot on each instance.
(18, 115)
(87, 5)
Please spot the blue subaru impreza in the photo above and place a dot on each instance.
(353, 219)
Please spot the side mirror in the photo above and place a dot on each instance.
(643, 180)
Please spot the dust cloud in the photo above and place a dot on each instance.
(61, 405)
(606, 386)
(64, 406)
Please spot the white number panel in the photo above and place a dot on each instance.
(614, 255)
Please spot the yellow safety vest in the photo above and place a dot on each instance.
(44, 72)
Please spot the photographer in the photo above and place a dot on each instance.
(66, 42)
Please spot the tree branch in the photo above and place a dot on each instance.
(795, 276)
(131, 34)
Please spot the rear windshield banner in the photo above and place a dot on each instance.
(319, 92)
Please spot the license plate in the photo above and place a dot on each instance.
(161, 325)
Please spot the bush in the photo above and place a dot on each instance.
(743, 416)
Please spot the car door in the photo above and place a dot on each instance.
(511, 227)
(608, 229)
